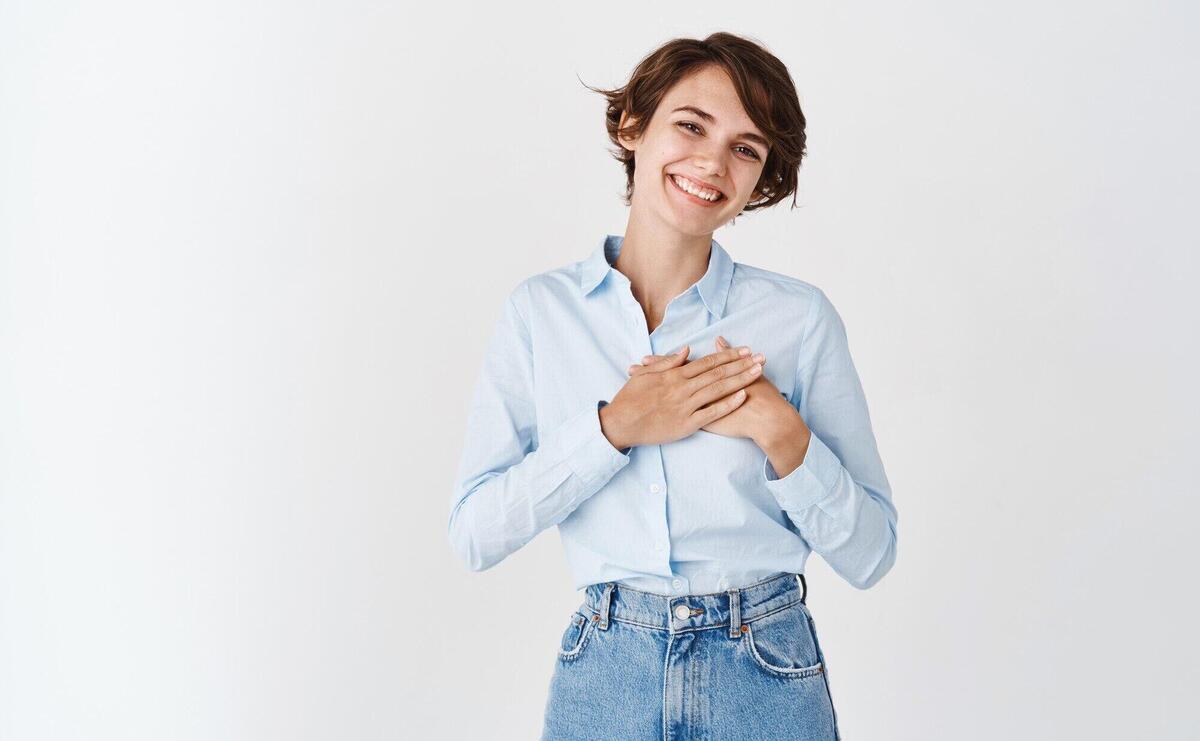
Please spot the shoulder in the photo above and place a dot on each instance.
(549, 288)
(778, 292)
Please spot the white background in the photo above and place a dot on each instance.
(250, 253)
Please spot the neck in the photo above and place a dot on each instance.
(660, 262)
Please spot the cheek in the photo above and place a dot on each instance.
(670, 152)
(747, 184)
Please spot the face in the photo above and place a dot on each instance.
(685, 150)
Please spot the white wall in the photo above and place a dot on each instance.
(245, 282)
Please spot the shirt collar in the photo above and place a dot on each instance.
(713, 286)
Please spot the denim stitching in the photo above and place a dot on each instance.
(666, 678)
(712, 594)
(793, 672)
(715, 626)
(583, 639)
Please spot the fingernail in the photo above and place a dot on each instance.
(758, 357)
(680, 351)
(743, 351)
(645, 358)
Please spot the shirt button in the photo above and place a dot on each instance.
(682, 612)
(655, 488)
(677, 584)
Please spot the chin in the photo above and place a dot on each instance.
(694, 228)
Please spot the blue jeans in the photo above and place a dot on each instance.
(741, 664)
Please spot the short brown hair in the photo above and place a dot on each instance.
(762, 83)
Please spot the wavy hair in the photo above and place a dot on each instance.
(762, 82)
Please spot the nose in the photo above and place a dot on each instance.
(711, 162)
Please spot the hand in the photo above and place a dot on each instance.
(668, 400)
(760, 413)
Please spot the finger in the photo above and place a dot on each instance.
(709, 362)
(719, 408)
(637, 368)
(663, 362)
(723, 343)
(642, 367)
(726, 379)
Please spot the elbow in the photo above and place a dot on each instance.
(464, 541)
(469, 553)
(473, 562)
(882, 566)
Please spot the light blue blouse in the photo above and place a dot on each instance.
(701, 514)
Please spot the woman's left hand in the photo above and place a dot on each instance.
(764, 411)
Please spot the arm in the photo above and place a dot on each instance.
(511, 485)
(822, 464)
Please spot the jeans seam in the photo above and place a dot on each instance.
(716, 626)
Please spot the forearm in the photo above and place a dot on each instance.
(501, 507)
(785, 442)
(850, 525)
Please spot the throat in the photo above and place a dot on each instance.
(653, 319)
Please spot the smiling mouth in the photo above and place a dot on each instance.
(693, 198)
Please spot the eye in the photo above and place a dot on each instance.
(749, 152)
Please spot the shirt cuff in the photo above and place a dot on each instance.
(591, 456)
(600, 405)
(809, 483)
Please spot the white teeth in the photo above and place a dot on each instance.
(708, 195)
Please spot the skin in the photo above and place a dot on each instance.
(765, 417)
(666, 249)
(667, 238)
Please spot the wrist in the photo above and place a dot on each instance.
(611, 429)
(786, 438)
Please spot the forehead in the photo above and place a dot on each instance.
(710, 90)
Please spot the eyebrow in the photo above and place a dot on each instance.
(710, 118)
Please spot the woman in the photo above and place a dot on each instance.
(688, 489)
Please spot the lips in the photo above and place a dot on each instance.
(694, 199)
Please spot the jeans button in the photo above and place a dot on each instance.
(682, 612)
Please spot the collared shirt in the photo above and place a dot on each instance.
(705, 513)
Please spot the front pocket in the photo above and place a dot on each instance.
(575, 636)
(782, 644)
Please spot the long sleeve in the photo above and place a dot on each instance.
(838, 498)
(513, 482)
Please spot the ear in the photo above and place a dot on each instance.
(625, 141)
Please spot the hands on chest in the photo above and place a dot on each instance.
(667, 398)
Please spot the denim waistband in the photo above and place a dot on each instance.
(733, 607)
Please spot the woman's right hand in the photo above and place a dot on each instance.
(664, 403)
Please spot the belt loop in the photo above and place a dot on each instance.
(735, 613)
(804, 594)
(605, 605)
